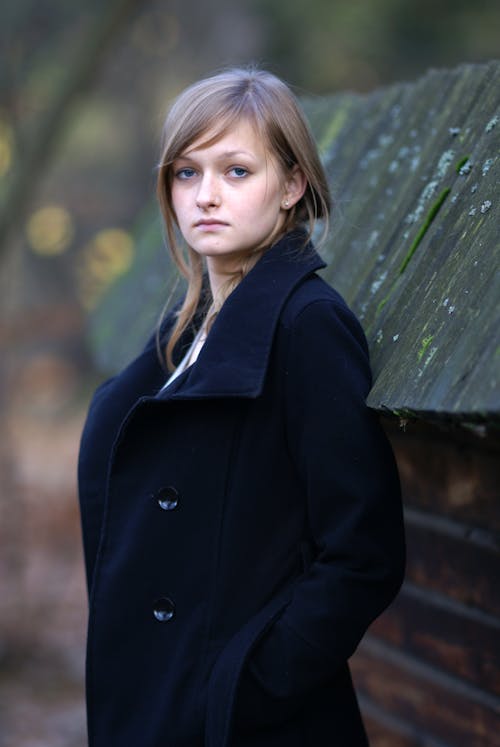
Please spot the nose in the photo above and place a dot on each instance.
(208, 193)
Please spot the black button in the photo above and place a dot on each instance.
(163, 609)
(167, 498)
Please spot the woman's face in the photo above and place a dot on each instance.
(229, 196)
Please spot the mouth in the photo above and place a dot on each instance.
(209, 223)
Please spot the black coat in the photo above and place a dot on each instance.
(241, 528)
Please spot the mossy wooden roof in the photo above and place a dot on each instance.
(414, 246)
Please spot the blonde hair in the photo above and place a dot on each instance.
(211, 107)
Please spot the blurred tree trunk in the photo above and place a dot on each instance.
(113, 19)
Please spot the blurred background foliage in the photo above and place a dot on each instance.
(84, 87)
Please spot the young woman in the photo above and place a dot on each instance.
(240, 504)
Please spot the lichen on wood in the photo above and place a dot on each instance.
(415, 248)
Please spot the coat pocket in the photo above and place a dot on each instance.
(226, 673)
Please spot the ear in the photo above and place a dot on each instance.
(294, 188)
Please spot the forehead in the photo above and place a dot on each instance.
(241, 136)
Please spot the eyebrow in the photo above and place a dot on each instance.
(225, 154)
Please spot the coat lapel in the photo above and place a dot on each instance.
(234, 359)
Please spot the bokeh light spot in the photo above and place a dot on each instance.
(6, 147)
(50, 230)
(105, 258)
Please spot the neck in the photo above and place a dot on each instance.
(225, 273)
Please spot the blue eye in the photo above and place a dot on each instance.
(185, 173)
(238, 171)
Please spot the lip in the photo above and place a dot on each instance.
(207, 223)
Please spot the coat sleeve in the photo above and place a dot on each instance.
(350, 481)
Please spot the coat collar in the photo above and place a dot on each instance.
(234, 359)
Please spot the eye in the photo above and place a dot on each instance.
(238, 171)
(185, 173)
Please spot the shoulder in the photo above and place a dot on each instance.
(315, 307)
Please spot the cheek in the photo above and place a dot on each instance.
(266, 202)
(272, 207)
(273, 197)
(178, 205)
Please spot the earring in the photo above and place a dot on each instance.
(285, 203)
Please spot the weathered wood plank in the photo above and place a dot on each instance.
(414, 168)
(428, 701)
(455, 475)
(385, 730)
(381, 735)
(460, 641)
(454, 560)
